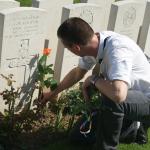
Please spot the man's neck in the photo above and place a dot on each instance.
(93, 46)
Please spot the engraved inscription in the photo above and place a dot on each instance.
(23, 26)
(23, 58)
(87, 15)
(129, 16)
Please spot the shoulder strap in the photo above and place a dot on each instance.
(105, 40)
(96, 69)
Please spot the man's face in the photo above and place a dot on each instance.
(76, 49)
(79, 50)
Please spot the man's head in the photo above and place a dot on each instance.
(75, 33)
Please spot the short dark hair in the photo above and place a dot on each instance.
(75, 31)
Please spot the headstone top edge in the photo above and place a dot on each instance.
(19, 9)
(78, 5)
(10, 1)
(119, 3)
(148, 2)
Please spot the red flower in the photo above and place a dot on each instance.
(46, 51)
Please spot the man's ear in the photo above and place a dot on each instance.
(76, 47)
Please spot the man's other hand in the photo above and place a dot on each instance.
(85, 87)
(47, 96)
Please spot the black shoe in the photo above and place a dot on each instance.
(142, 135)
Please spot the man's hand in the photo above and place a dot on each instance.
(47, 96)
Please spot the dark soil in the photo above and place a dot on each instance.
(37, 132)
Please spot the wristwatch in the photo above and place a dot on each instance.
(94, 79)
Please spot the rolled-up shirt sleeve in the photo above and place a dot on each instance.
(86, 62)
(120, 66)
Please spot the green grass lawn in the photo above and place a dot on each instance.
(25, 2)
(28, 2)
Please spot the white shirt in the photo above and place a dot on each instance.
(123, 60)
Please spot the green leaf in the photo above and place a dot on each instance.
(42, 63)
(40, 68)
(40, 77)
(47, 83)
(42, 60)
(53, 85)
(48, 70)
(51, 65)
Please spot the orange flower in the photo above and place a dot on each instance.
(46, 51)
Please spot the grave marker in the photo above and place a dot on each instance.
(65, 60)
(144, 40)
(105, 5)
(126, 17)
(4, 4)
(53, 20)
(147, 44)
(22, 35)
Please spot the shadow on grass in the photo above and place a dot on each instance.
(65, 145)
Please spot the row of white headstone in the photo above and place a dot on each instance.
(25, 31)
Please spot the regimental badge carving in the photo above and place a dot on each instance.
(24, 58)
(129, 16)
(87, 15)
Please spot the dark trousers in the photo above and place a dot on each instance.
(136, 107)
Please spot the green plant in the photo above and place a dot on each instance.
(59, 117)
(75, 104)
(45, 74)
(10, 95)
(13, 123)
(45, 77)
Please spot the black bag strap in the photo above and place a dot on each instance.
(148, 58)
(105, 40)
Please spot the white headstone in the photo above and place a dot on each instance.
(147, 43)
(106, 5)
(144, 40)
(53, 20)
(126, 17)
(65, 61)
(4, 4)
(22, 36)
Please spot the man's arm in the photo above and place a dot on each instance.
(116, 90)
(69, 80)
